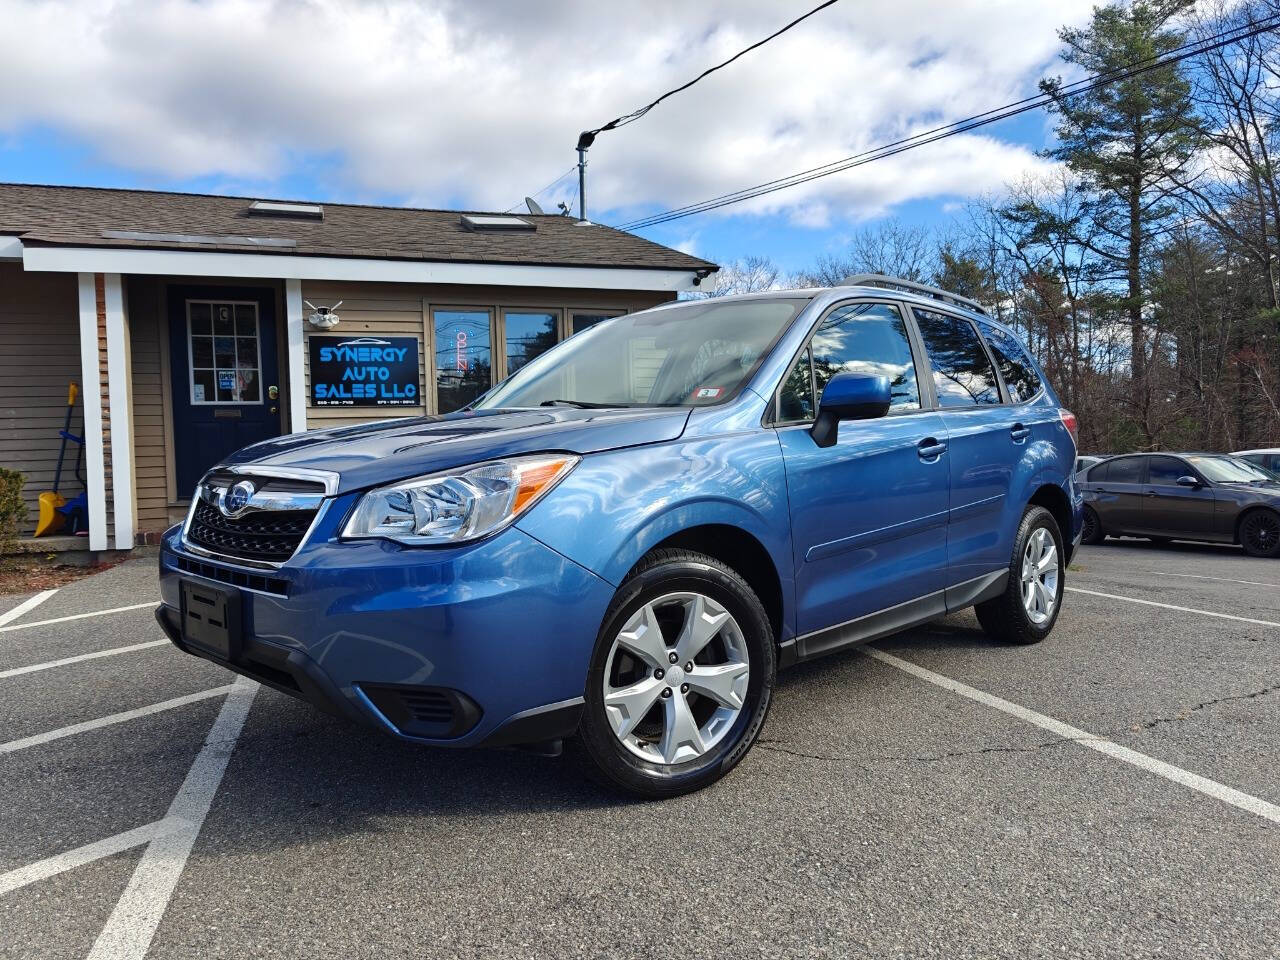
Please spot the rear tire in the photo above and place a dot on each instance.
(1027, 610)
(651, 726)
(1092, 531)
(1260, 533)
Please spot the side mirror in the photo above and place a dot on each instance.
(1189, 481)
(850, 396)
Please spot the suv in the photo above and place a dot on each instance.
(631, 535)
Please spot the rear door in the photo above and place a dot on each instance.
(869, 513)
(985, 438)
(1117, 488)
(1169, 510)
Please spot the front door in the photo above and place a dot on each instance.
(1169, 510)
(869, 513)
(224, 372)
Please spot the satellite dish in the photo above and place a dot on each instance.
(532, 204)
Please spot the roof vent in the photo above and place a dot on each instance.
(479, 221)
(279, 208)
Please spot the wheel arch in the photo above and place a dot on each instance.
(741, 550)
(1054, 499)
(1246, 512)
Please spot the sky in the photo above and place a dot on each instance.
(474, 104)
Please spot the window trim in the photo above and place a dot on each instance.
(191, 365)
(772, 414)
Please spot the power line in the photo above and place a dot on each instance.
(959, 126)
(544, 189)
(635, 115)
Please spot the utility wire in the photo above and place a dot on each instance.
(959, 126)
(544, 189)
(635, 115)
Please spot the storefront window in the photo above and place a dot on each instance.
(586, 320)
(528, 335)
(225, 356)
(463, 357)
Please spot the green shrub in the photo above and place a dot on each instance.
(13, 512)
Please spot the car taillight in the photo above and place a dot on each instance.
(1069, 421)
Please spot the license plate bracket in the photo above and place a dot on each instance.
(211, 619)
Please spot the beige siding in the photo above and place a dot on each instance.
(150, 425)
(404, 310)
(39, 357)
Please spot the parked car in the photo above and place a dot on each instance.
(1213, 497)
(628, 537)
(1267, 458)
(1084, 463)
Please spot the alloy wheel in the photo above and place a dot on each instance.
(676, 678)
(1261, 533)
(1040, 576)
(1090, 529)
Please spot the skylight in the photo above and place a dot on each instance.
(481, 221)
(280, 208)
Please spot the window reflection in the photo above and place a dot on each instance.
(1019, 375)
(528, 335)
(962, 373)
(463, 357)
(867, 338)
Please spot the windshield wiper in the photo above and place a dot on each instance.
(583, 404)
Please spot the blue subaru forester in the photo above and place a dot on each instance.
(629, 537)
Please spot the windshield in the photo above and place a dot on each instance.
(1228, 470)
(693, 354)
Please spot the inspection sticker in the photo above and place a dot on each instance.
(707, 393)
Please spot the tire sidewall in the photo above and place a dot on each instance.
(1036, 518)
(620, 764)
(1244, 524)
(1096, 535)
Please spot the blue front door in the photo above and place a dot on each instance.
(869, 513)
(224, 373)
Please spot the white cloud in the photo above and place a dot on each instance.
(479, 103)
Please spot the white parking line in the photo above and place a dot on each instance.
(132, 924)
(28, 604)
(77, 616)
(13, 746)
(1170, 606)
(1186, 778)
(52, 866)
(1197, 576)
(36, 667)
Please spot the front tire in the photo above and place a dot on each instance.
(1028, 608)
(1260, 533)
(681, 677)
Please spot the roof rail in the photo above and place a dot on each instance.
(937, 293)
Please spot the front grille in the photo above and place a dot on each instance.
(438, 713)
(236, 578)
(264, 535)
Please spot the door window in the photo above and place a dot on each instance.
(866, 338)
(1019, 375)
(962, 372)
(463, 357)
(1125, 470)
(1166, 470)
(528, 335)
(224, 354)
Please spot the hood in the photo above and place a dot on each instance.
(370, 454)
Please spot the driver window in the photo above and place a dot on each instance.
(867, 338)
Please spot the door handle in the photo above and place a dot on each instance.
(930, 449)
(1019, 432)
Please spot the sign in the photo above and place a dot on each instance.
(364, 372)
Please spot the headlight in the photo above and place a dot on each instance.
(457, 505)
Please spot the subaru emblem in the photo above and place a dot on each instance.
(237, 498)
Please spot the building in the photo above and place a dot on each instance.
(196, 324)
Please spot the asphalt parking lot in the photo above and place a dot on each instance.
(1112, 792)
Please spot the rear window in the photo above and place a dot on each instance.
(1015, 365)
(1125, 470)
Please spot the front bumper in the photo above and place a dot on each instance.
(487, 644)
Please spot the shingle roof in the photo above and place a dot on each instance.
(93, 216)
